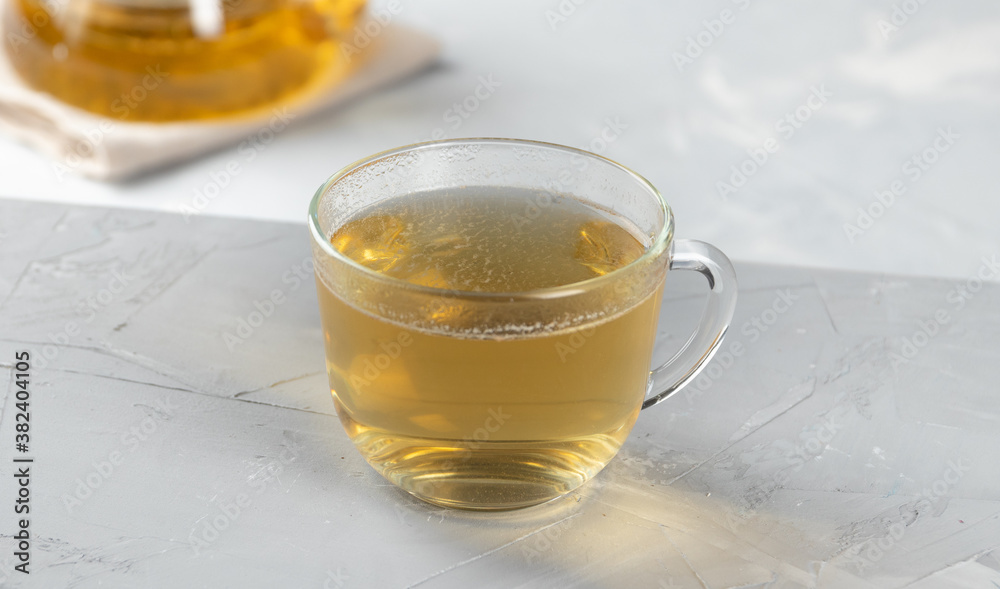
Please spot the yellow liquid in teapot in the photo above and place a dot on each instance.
(138, 60)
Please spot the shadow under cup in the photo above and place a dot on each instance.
(481, 400)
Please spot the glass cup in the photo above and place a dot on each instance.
(492, 401)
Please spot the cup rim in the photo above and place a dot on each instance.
(659, 245)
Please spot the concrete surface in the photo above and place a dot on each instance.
(844, 437)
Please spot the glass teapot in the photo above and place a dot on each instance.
(163, 60)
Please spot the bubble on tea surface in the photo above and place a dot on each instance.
(378, 242)
(603, 246)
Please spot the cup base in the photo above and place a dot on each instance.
(483, 476)
(494, 480)
(486, 495)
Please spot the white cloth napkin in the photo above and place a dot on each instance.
(109, 149)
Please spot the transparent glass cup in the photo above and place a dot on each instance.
(491, 401)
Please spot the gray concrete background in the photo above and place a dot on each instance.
(841, 449)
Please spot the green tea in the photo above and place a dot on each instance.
(474, 416)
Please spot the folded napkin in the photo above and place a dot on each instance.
(109, 149)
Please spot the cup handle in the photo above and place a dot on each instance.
(672, 375)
